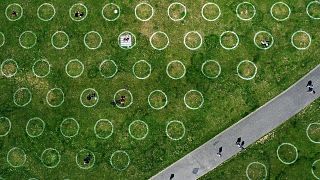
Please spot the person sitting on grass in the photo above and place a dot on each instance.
(122, 100)
(87, 159)
(14, 13)
(79, 14)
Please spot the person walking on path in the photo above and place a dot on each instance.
(310, 87)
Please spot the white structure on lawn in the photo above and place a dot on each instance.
(126, 40)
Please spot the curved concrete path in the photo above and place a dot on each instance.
(251, 128)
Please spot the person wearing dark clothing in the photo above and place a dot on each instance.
(171, 176)
(87, 159)
(309, 84)
(14, 13)
(238, 141)
(241, 145)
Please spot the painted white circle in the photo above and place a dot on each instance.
(184, 9)
(35, 119)
(185, 40)
(295, 149)
(134, 72)
(60, 47)
(87, 167)
(229, 48)
(24, 157)
(123, 107)
(21, 13)
(142, 19)
(255, 70)
(3, 39)
(74, 61)
(209, 4)
(280, 3)
(256, 35)
(133, 36)
(179, 62)
(85, 42)
(71, 13)
(264, 166)
(135, 137)
(246, 3)
(111, 4)
(4, 63)
(307, 132)
(112, 75)
(38, 61)
(301, 48)
(50, 149)
(26, 103)
(185, 101)
(161, 107)
(47, 97)
(159, 48)
(312, 171)
(69, 119)
(97, 98)
(9, 129)
(182, 125)
(46, 4)
(209, 61)
(307, 9)
(120, 152)
(95, 128)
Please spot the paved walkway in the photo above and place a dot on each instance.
(251, 128)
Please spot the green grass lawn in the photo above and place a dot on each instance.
(104, 68)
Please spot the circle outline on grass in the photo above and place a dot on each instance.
(3, 63)
(307, 132)
(211, 77)
(20, 13)
(256, 162)
(307, 10)
(184, 69)
(48, 149)
(161, 93)
(165, 46)
(123, 107)
(95, 130)
(278, 19)
(41, 60)
(202, 11)
(120, 151)
(255, 43)
(185, 39)
(255, 70)
(179, 122)
(85, 43)
(88, 167)
(74, 60)
(177, 3)
(109, 4)
(49, 19)
(299, 48)
(185, 96)
(232, 32)
(296, 150)
(5, 134)
(24, 161)
(62, 47)
(47, 100)
(96, 97)
(137, 138)
(78, 127)
(128, 32)
(246, 19)
(134, 73)
(14, 97)
(115, 72)
(70, 13)
(312, 169)
(136, 14)
(4, 39)
(43, 123)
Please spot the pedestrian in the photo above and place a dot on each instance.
(171, 176)
(241, 145)
(238, 141)
(311, 90)
(309, 84)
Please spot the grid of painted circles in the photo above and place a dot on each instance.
(133, 136)
(15, 94)
(142, 19)
(131, 97)
(61, 47)
(185, 101)
(295, 149)
(24, 157)
(246, 3)
(21, 13)
(256, 35)
(51, 149)
(95, 128)
(312, 171)
(72, 61)
(86, 167)
(209, 61)
(85, 42)
(3, 38)
(38, 61)
(184, 69)
(47, 97)
(3, 64)
(89, 89)
(161, 48)
(307, 132)
(161, 107)
(71, 13)
(210, 4)
(78, 127)
(121, 152)
(9, 129)
(229, 48)
(307, 9)
(255, 70)
(134, 37)
(111, 4)
(280, 3)
(258, 163)
(184, 9)
(134, 72)
(301, 48)
(182, 125)
(46, 4)
(185, 40)
(43, 127)
(112, 75)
